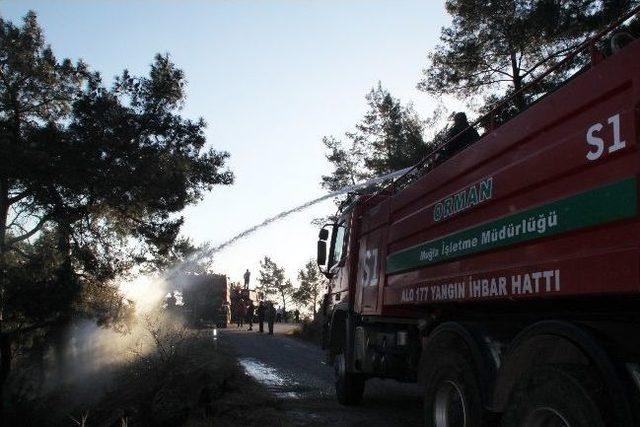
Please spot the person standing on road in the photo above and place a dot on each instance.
(241, 313)
(250, 311)
(261, 313)
(296, 315)
(271, 316)
(224, 315)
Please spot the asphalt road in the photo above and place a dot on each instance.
(295, 372)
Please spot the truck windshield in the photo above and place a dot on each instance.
(338, 244)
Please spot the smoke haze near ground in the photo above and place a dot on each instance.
(88, 350)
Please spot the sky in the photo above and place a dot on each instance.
(271, 78)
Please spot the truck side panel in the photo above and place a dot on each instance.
(550, 199)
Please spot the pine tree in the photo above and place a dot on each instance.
(94, 176)
(273, 282)
(388, 138)
(493, 48)
(311, 284)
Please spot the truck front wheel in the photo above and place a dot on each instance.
(349, 386)
(558, 396)
(452, 395)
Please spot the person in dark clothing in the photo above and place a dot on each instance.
(459, 136)
(296, 315)
(250, 310)
(271, 316)
(224, 316)
(170, 301)
(247, 277)
(241, 314)
(260, 312)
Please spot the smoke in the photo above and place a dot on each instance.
(147, 292)
(85, 354)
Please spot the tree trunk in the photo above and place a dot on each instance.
(6, 351)
(64, 246)
(314, 301)
(5, 368)
(519, 98)
(5, 341)
(284, 304)
(4, 213)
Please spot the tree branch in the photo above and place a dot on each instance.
(495, 70)
(477, 85)
(33, 231)
(18, 197)
(44, 102)
(547, 58)
(20, 252)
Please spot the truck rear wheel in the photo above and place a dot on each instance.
(556, 396)
(452, 394)
(349, 386)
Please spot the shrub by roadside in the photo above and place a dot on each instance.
(310, 330)
(187, 379)
(200, 385)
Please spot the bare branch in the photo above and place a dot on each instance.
(33, 231)
(547, 58)
(18, 197)
(16, 224)
(477, 85)
(504, 73)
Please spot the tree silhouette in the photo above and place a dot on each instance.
(312, 283)
(388, 138)
(96, 175)
(273, 282)
(494, 48)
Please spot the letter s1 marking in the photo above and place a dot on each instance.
(618, 144)
(595, 141)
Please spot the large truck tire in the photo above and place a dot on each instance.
(452, 393)
(557, 396)
(349, 386)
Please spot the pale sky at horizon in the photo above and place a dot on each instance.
(271, 78)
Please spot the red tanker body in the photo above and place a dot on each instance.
(507, 278)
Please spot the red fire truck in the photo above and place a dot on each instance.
(505, 279)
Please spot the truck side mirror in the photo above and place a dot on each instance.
(323, 238)
(322, 252)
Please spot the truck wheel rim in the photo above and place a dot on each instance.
(450, 408)
(546, 417)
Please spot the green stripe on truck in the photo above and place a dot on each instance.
(597, 206)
